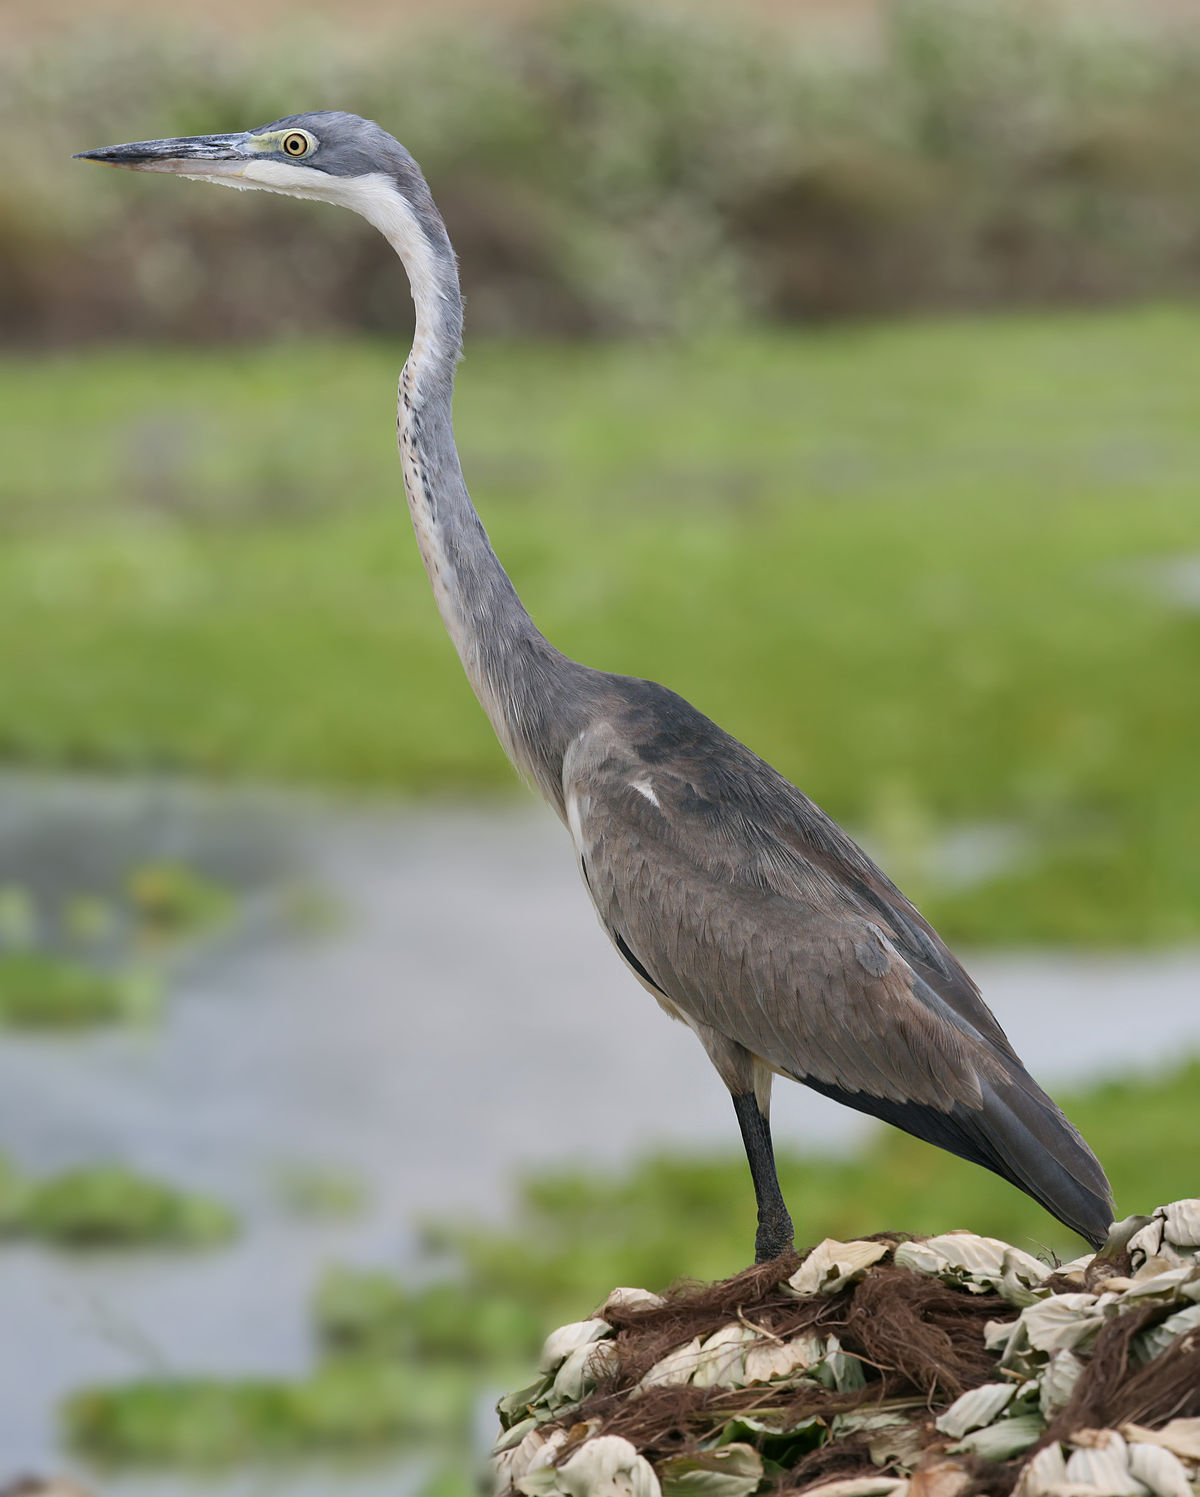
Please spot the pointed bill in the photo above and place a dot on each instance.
(208, 157)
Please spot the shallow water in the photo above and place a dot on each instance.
(464, 1019)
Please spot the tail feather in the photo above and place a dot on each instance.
(1020, 1134)
(1042, 1151)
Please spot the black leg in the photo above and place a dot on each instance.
(774, 1234)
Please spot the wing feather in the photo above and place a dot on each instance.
(748, 936)
(752, 914)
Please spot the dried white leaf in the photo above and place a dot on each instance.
(1166, 1285)
(568, 1338)
(844, 1369)
(1018, 1356)
(1004, 1439)
(631, 1299)
(944, 1478)
(676, 1367)
(723, 1358)
(1116, 1285)
(513, 1436)
(1154, 1342)
(976, 1408)
(1180, 1436)
(1057, 1383)
(581, 1371)
(1120, 1238)
(1101, 1461)
(832, 1265)
(977, 1263)
(515, 1406)
(1157, 1263)
(1066, 1320)
(900, 1444)
(1044, 1475)
(889, 1415)
(770, 1359)
(536, 1450)
(1183, 1223)
(998, 1333)
(1157, 1468)
(1173, 1233)
(606, 1466)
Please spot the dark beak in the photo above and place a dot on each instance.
(191, 156)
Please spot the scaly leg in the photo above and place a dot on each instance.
(774, 1234)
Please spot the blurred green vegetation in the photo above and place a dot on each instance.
(79, 957)
(618, 168)
(345, 1407)
(171, 902)
(39, 990)
(315, 1192)
(400, 1363)
(108, 1206)
(921, 568)
(579, 1235)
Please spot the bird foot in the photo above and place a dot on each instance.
(774, 1238)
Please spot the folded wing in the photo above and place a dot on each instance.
(756, 916)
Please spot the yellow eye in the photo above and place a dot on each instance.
(295, 144)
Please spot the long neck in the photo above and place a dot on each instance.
(520, 679)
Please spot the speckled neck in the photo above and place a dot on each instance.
(520, 679)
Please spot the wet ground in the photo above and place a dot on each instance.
(461, 1018)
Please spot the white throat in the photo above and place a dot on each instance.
(376, 198)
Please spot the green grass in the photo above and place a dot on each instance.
(399, 1361)
(901, 562)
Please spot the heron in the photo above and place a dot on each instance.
(743, 909)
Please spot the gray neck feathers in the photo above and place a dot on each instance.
(523, 683)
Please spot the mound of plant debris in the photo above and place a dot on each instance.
(882, 1368)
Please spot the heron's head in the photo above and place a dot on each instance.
(335, 158)
(329, 155)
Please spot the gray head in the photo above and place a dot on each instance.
(301, 155)
(333, 157)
